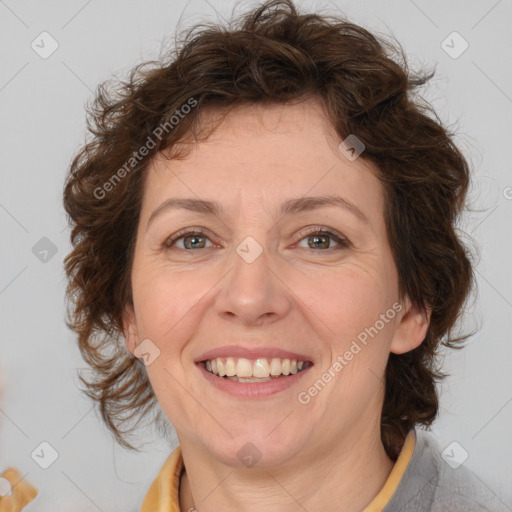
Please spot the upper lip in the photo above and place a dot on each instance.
(250, 353)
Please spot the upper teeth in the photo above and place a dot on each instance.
(260, 367)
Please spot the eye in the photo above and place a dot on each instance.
(319, 238)
(191, 239)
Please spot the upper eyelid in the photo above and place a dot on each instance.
(304, 233)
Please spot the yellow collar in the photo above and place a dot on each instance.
(22, 492)
(390, 485)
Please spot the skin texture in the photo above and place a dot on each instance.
(297, 295)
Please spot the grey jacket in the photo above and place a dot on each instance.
(430, 484)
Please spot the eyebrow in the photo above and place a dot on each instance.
(292, 206)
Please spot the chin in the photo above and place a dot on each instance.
(257, 449)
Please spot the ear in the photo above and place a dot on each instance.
(130, 332)
(411, 328)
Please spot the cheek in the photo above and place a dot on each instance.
(165, 302)
(168, 305)
(348, 304)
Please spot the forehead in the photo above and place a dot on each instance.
(264, 154)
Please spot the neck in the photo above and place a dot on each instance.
(350, 475)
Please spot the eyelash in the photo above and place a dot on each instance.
(314, 230)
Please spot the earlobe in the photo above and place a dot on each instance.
(411, 328)
(130, 328)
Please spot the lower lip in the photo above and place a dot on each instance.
(252, 389)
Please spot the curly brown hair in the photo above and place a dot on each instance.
(273, 54)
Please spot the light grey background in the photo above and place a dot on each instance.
(42, 125)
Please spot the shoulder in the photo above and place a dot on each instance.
(430, 484)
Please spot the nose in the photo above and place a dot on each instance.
(253, 294)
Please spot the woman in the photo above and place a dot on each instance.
(265, 255)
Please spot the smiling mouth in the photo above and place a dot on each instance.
(239, 369)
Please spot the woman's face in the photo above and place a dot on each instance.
(260, 279)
